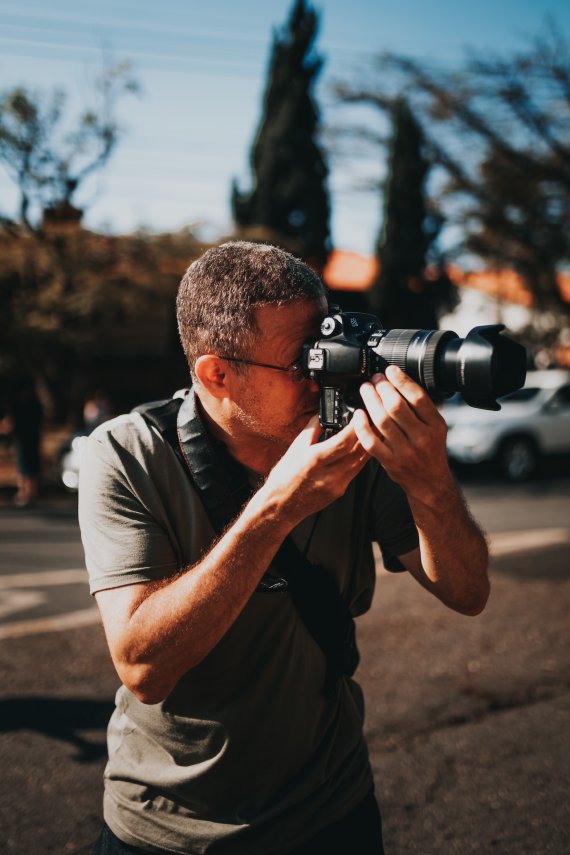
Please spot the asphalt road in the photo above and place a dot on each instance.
(467, 718)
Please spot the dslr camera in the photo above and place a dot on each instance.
(354, 346)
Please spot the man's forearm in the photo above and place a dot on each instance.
(158, 631)
(173, 624)
(453, 551)
(405, 432)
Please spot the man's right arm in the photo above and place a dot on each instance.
(157, 631)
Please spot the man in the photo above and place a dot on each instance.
(223, 739)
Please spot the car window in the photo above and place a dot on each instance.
(455, 401)
(562, 397)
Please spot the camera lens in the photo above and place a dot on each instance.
(482, 366)
(416, 352)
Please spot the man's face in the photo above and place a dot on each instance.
(272, 404)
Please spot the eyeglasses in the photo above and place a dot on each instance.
(294, 370)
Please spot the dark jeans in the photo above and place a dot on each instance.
(359, 833)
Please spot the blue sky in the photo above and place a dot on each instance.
(202, 68)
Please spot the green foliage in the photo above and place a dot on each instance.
(500, 132)
(523, 221)
(46, 163)
(74, 303)
(289, 197)
(61, 287)
(406, 293)
(497, 131)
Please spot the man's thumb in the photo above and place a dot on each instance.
(309, 435)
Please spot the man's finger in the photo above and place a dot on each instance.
(371, 441)
(336, 446)
(418, 399)
(383, 416)
(309, 435)
(395, 404)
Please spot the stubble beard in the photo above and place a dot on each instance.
(275, 438)
(257, 430)
(271, 441)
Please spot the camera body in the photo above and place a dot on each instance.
(355, 346)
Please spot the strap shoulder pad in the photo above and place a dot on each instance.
(163, 415)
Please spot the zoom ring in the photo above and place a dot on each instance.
(395, 345)
(429, 359)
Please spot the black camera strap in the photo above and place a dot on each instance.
(224, 489)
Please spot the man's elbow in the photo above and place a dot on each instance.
(474, 602)
(143, 682)
(150, 683)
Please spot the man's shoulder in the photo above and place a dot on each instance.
(138, 425)
(126, 456)
(128, 436)
(125, 428)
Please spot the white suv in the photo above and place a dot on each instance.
(533, 422)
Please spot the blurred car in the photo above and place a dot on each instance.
(534, 422)
(71, 450)
(69, 459)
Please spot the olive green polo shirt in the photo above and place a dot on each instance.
(246, 755)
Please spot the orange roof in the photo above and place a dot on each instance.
(349, 271)
(503, 284)
(564, 285)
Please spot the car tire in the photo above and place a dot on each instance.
(518, 458)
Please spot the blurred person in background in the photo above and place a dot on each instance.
(23, 421)
(235, 729)
(96, 410)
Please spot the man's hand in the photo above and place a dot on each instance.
(404, 431)
(312, 474)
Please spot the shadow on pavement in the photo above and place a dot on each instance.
(52, 502)
(546, 563)
(60, 718)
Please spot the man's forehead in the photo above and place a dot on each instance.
(290, 322)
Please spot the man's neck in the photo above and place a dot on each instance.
(258, 454)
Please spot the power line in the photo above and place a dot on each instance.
(205, 66)
(129, 26)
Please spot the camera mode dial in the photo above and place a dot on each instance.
(330, 326)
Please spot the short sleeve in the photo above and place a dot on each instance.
(392, 523)
(120, 510)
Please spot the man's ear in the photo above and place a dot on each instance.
(211, 373)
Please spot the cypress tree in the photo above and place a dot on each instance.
(289, 196)
(404, 295)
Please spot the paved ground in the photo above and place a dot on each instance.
(467, 718)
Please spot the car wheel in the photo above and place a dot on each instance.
(518, 458)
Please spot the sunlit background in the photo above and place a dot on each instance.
(202, 72)
(395, 196)
(467, 719)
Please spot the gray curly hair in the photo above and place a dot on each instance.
(220, 290)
